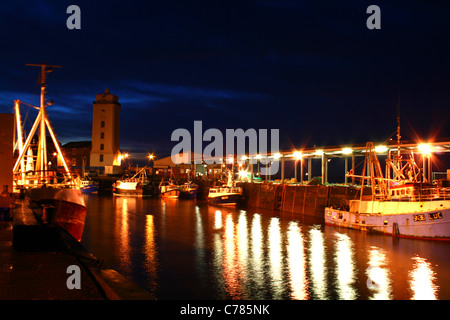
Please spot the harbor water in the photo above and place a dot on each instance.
(185, 249)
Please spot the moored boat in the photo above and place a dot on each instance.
(88, 186)
(188, 190)
(226, 195)
(64, 206)
(169, 190)
(61, 201)
(138, 185)
(402, 206)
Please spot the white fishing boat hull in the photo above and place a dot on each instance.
(424, 220)
(226, 196)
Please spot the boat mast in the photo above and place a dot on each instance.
(398, 130)
(43, 122)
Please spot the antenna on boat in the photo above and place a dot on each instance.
(398, 127)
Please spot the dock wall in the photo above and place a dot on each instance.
(308, 200)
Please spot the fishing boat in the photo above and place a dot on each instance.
(48, 190)
(228, 194)
(188, 190)
(169, 189)
(404, 206)
(88, 186)
(138, 185)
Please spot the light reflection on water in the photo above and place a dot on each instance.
(186, 250)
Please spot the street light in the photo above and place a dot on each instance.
(381, 149)
(426, 151)
(347, 151)
(298, 156)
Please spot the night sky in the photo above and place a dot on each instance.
(311, 69)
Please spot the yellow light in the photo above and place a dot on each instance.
(244, 158)
(277, 155)
(347, 151)
(381, 149)
(298, 155)
(319, 152)
(243, 174)
(258, 156)
(151, 156)
(425, 149)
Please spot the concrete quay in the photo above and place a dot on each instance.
(34, 262)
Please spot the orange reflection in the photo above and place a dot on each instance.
(151, 258)
(123, 232)
(231, 267)
(422, 279)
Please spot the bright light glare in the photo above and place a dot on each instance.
(297, 155)
(381, 149)
(425, 149)
(243, 174)
(277, 156)
(347, 150)
(319, 152)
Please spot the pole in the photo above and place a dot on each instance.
(309, 169)
(301, 170)
(346, 169)
(295, 170)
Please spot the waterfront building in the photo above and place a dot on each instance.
(6, 157)
(77, 155)
(105, 151)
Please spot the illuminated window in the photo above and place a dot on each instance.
(74, 162)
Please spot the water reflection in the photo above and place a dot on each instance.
(231, 266)
(257, 255)
(297, 263)
(151, 264)
(276, 257)
(183, 249)
(317, 263)
(378, 276)
(422, 280)
(345, 267)
(123, 230)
